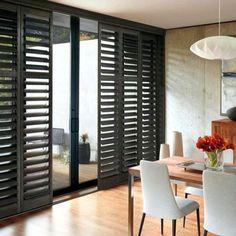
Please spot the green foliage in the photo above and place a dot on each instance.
(5, 86)
(87, 36)
(62, 35)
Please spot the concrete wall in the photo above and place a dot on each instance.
(87, 91)
(61, 88)
(192, 85)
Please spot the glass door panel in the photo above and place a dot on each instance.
(88, 100)
(61, 100)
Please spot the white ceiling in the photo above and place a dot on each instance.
(162, 13)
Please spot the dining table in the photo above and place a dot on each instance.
(176, 173)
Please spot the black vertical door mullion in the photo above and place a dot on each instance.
(74, 170)
(99, 127)
(9, 107)
(19, 105)
(21, 110)
(118, 112)
(50, 147)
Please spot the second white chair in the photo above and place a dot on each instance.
(219, 192)
(158, 198)
(197, 190)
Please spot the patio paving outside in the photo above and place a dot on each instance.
(61, 173)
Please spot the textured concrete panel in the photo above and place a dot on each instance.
(192, 85)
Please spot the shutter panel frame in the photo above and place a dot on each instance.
(150, 97)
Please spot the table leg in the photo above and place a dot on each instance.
(131, 206)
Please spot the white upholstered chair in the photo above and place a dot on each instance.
(194, 189)
(219, 191)
(158, 198)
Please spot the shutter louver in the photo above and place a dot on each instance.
(130, 83)
(109, 74)
(37, 109)
(8, 112)
(149, 103)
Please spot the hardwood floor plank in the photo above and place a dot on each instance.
(103, 213)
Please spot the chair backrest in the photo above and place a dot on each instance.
(219, 190)
(228, 156)
(164, 151)
(158, 197)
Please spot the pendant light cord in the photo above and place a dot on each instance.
(219, 17)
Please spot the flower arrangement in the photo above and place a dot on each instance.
(213, 146)
(84, 137)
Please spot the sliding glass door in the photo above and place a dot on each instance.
(74, 139)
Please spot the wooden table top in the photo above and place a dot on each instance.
(175, 172)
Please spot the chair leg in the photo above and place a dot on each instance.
(173, 227)
(184, 221)
(186, 196)
(198, 223)
(176, 190)
(205, 232)
(141, 224)
(162, 225)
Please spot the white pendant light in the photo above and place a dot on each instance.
(215, 47)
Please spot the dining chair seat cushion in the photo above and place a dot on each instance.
(186, 205)
(178, 182)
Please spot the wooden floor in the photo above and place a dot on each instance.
(103, 213)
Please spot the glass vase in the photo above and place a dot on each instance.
(214, 160)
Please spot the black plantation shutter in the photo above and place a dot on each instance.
(130, 105)
(8, 111)
(25, 109)
(108, 115)
(36, 118)
(130, 99)
(149, 97)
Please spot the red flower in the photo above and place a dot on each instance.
(213, 143)
(230, 146)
